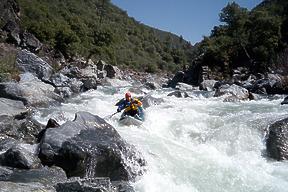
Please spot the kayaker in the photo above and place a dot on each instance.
(131, 106)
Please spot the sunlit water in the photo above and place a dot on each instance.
(193, 144)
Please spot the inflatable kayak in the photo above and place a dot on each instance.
(129, 120)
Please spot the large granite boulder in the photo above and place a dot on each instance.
(232, 92)
(29, 62)
(30, 90)
(277, 140)
(90, 147)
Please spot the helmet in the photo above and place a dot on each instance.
(127, 95)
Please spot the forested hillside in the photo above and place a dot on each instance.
(98, 29)
(252, 39)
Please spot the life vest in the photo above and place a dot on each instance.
(133, 105)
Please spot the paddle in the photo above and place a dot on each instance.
(109, 116)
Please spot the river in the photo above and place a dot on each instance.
(195, 144)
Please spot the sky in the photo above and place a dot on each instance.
(190, 18)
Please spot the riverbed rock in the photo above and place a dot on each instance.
(285, 101)
(48, 176)
(232, 92)
(29, 62)
(31, 91)
(277, 140)
(89, 146)
(101, 184)
(22, 156)
(178, 77)
(24, 187)
(149, 100)
(207, 85)
(179, 94)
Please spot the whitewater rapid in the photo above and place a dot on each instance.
(195, 144)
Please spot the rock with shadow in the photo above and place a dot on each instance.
(179, 94)
(277, 140)
(90, 147)
(31, 91)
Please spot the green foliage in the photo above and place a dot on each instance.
(99, 30)
(247, 38)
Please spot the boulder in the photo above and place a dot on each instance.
(277, 140)
(112, 71)
(31, 91)
(149, 100)
(89, 146)
(15, 120)
(48, 176)
(23, 187)
(29, 62)
(30, 42)
(207, 85)
(22, 156)
(232, 91)
(178, 77)
(86, 185)
(285, 101)
(151, 85)
(13, 32)
(100, 65)
(179, 94)
(184, 87)
(5, 173)
(12, 108)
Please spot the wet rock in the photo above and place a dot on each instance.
(100, 65)
(86, 185)
(22, 156)
(12, 108)
(285, 101)
(14, 120)
(184, 87)
(112, 71)
(70, 71)
(151, 85)
(31, 91)
(52, 123)
(23, 187)
(123, 186)
(179, 94)
(89, 146)
(277, 140)
(235, 91)
(60, 80)
(5, 173)
(207, 85)
(64, 92)
(178, 77)
(48, 176)
(29, 62)
(149, 100)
